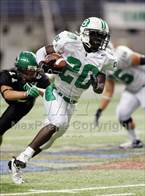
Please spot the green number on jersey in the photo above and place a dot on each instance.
(124, 77)
(82, 81)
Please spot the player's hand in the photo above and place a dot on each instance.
(31, 90)
(53, 63)
(98, 82)
(97, 116)
(27, 86)
(47, 68)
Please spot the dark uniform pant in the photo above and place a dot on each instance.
(13, 114)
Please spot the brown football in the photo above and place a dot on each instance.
(59, 63)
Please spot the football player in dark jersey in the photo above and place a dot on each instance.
(19, 87)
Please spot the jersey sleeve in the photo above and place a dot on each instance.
(43, 81)
(123, 55)
(5, 78)
(63, 41)
(109, 62)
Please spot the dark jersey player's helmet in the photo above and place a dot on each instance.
(26, 60)
(26, 64)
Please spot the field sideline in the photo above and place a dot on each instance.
(86, 161)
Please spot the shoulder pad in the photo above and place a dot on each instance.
(123, 48)
(5, 78)
(109, 61)
(123, 55)
(63, 39)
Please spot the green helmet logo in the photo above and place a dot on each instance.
(26, 61)
(86, 22)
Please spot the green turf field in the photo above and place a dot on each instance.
(86, 161)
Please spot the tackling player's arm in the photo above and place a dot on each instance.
(9, 94)
(7, 90)
(12, 95)
(42, 83)
(106, 98)
(41, 91)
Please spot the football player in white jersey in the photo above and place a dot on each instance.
(131, 72)
(87, 62)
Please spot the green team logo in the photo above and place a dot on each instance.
(86, 22)
(31, 67)
(103, 24)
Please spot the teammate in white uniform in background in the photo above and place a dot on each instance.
(87, 59)
(131, 72)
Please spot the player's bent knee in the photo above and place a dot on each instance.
(56, 135)
(62, 123)
(126, 123)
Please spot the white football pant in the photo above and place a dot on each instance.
(59, 113)
(129, 102)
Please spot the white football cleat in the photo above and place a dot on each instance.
(15, 169)
(134, 144)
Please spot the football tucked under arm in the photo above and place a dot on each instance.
(53, 63)
(98, 82)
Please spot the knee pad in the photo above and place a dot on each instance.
(126, 123)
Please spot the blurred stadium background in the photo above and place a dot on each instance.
(29, 24)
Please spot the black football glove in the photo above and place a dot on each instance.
(47, 68)
(47, 65)
(97, 116)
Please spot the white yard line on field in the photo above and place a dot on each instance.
(74, 190)
(119, 194)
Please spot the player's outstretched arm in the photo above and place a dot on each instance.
(10, 94)
(137, 59)
(127, 57)
(105, 99)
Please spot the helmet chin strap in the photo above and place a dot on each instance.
(87, 49)
(88, 45)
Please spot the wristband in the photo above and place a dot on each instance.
(99, 111)
(7, 89)
(106, 97)
(142, 60)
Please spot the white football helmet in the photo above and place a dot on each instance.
(94, 33)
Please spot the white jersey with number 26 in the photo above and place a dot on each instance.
(75, 77)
